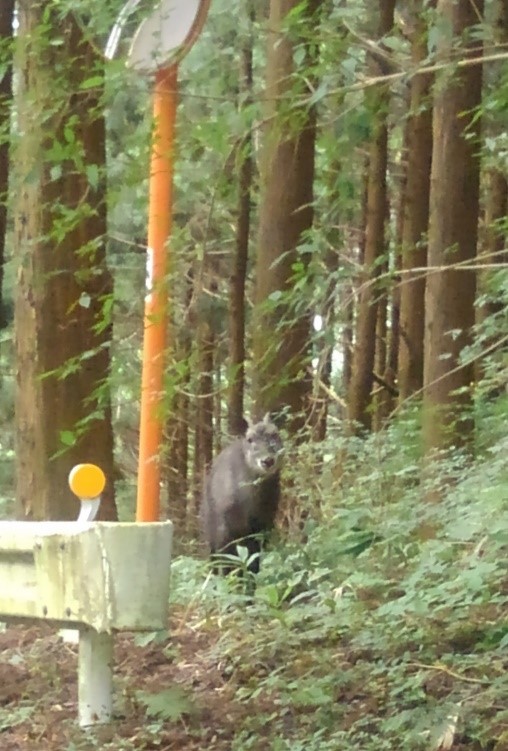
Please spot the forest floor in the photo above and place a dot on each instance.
(38, 694)
(174, 692)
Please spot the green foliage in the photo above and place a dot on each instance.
(9, 719)
(385, 617)
(171, 704)
(387, 627)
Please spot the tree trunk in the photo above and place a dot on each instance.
(6, 19)
(495, 235)
(494, 248)
(177, 431)
(392, 355)
(360, 387)
(380, 395)
(281, 332)
(237, 284)
(177, 427)
(347, 337)
(64, 289)
(323, 375)
(416, 220)
(206, 400)
(206, 326)
(494, 251)
(454, 206)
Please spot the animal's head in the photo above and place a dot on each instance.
(262, 447)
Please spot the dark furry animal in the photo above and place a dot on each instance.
(242, 492)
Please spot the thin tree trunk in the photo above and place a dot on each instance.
(347, 338)
(323, 375)
(454, 209)
(360, 387)
(392, 356)
(494, 245)
(177, 428)
(387, 396)
(6, 19)
(177, 463)
(203, 438)
(494, 251)
(206, 400)
(378, 399)
(357, 256)
(496, 211)
(416, 220)
(205, 358)
(217, 404)
(237, 284)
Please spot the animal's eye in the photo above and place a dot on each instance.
(250, 439)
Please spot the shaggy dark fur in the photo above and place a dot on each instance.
(242, 492)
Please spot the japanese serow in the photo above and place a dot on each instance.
(242, 492)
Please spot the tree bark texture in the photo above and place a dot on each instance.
(360, 386)
(324, 353)
(416, 219)
(6, 19)
(64, 289)
(282, 328)
(453, 231)
(238, 277)
(494, 251)
(177, 426)
(379, 397)
(495, 236)
(207, 324)
(392, 355)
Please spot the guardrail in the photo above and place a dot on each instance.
(96, 577)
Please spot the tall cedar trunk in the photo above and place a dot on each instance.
(281, 334)
(63, 411)
(416, 220)
(6, 18)
(454, 206)
(360, 386)
(237, 284)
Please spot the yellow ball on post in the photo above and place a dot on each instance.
(87, 481)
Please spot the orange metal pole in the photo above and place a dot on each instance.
(156, 302)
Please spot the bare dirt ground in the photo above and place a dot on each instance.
(38, 694)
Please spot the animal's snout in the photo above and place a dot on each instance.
(268, 462)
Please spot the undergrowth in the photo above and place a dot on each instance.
(386, 628)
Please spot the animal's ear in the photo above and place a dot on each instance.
(267, 418)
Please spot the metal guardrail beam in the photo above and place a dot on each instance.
(97, 577)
